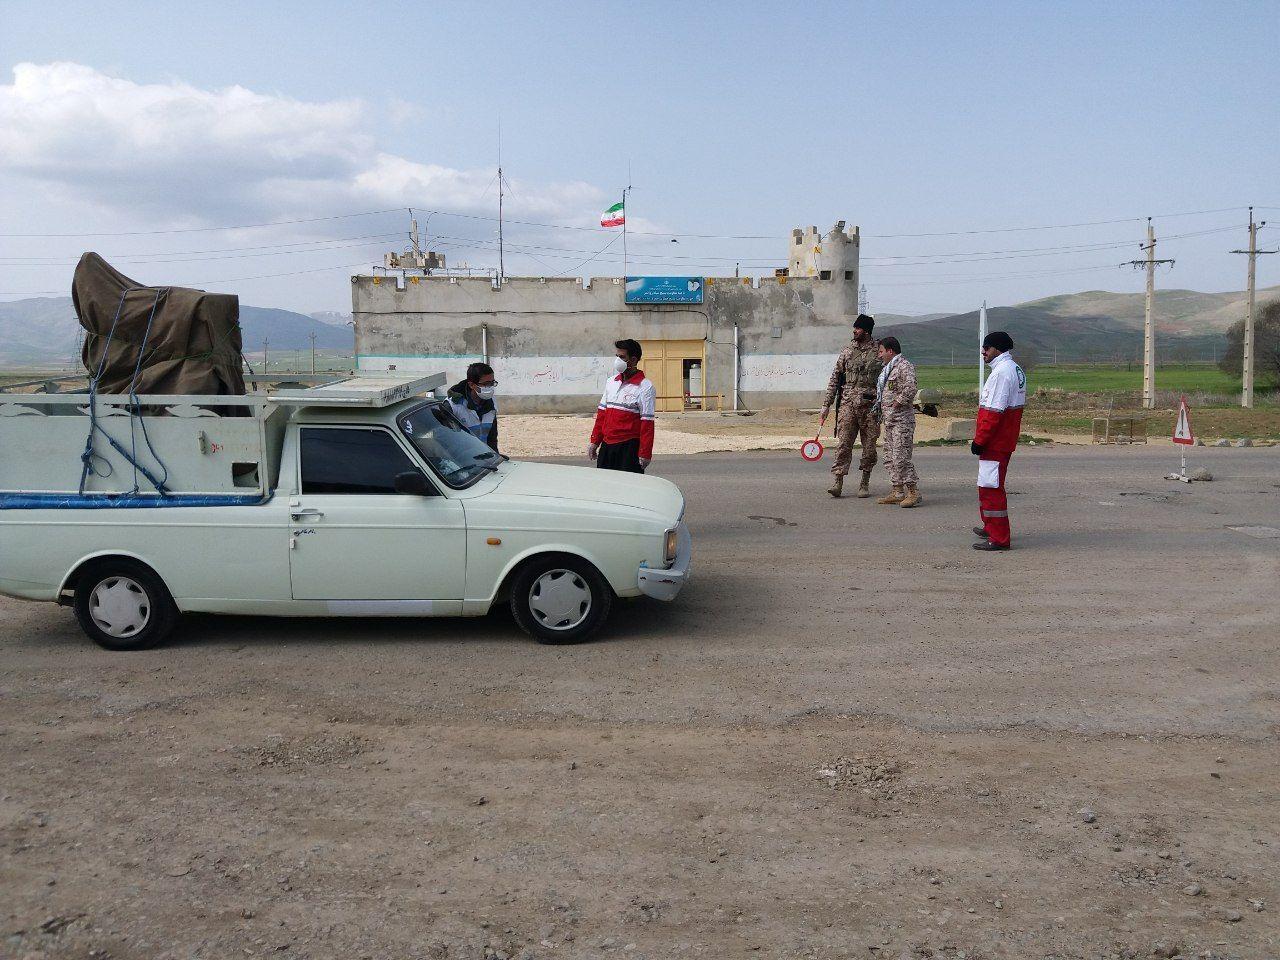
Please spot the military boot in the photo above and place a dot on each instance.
(897, 496)
(864, 488)
(912, 498)
(837, 488)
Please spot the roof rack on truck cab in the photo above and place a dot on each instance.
(361, 390)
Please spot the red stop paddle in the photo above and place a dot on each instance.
(811, 450)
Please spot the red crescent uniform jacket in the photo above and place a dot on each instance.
(626, 412)
(1000, 407)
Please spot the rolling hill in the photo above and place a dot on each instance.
(44, 330)
(1092, 326)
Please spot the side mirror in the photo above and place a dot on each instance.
(414, 483)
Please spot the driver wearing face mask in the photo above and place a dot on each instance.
(472, 403)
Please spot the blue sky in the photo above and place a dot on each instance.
(737, 120)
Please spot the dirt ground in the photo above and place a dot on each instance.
(684, 433)
(851, 737)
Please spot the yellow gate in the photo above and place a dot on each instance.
(668, 363)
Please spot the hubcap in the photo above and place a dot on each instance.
(560, 599)
(120, 607)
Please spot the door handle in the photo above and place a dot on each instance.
(307, 514)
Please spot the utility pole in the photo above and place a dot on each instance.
(863, 303)
(1149, 325)
(265, 343)
(313, 352)
(1246, 380)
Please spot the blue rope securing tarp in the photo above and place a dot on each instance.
(134, 409)
(125, 501)
(88, 456)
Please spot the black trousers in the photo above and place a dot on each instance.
(620, 456)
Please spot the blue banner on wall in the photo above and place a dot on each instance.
(664, 289)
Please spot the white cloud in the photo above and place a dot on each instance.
(173, 153)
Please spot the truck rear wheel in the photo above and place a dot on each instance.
(122, 605)
(560, 599)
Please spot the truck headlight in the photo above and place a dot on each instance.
(669, 549)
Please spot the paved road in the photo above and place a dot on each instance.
(422, 788)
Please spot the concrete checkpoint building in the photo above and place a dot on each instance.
(746, 343)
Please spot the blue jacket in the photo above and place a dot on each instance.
(478, 416)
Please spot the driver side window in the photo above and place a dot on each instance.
(358, 460)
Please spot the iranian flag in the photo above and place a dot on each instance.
(615, 216)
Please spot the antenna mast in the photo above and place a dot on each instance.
(502, 271)
(413, 236)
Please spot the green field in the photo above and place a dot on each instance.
(1092, 378)
(1099, 379)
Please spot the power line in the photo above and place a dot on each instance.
(181, 253)
(589, 259)
(994, 278)
(989, 256)
(876, 236)
(318, 246)
(643, 233)
(241, 226)
(1054, 226)
(205, 283)
(237, 256)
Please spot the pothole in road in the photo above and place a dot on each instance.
(779, 521)
(1149, 495)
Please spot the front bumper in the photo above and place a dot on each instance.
(667, 584)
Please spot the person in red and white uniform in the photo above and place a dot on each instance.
(996, 437)
(622, 438)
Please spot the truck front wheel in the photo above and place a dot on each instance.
(560, 599)
(122, 605)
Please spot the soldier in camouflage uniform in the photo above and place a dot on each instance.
(895, 397)
(853, 387)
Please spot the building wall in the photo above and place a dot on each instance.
(551, 341)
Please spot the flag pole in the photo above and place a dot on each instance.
(624, 233)
(625, 191)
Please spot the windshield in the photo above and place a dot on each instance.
(447, 445)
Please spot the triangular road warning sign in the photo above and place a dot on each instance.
(1182, 429)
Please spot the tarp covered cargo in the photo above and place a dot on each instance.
(192, 345)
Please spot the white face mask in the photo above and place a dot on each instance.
(619, 365)
(485, 393)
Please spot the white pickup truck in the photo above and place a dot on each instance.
(359, 498)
